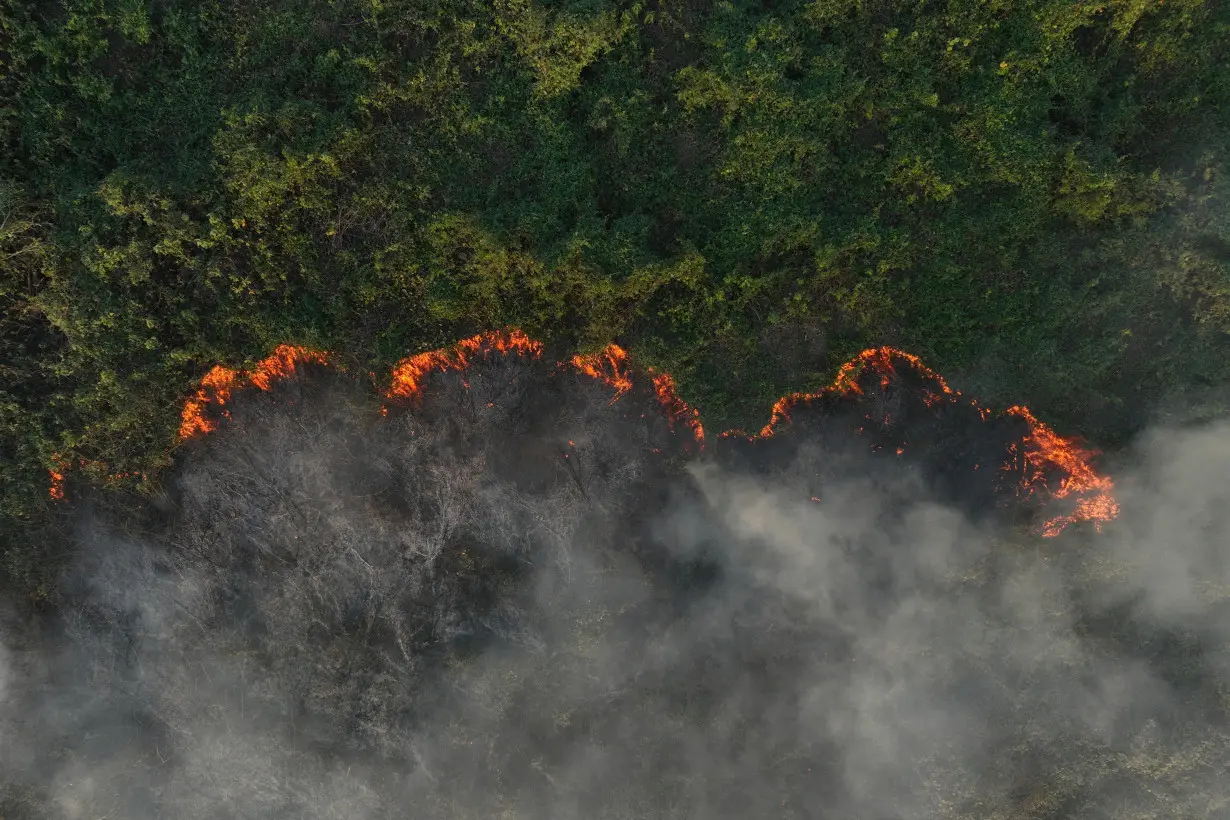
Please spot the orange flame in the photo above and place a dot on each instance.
(57, 473)
(1041, 450)
(409, 373)
(56, 490)
(220, 382)
(281, 364)
(1045, 450)
(880, 360)
(610, 367)
(676, 409)
(215, 388)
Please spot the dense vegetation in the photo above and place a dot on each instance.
(1031, 195)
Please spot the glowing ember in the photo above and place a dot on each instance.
(409, 373)
(57, 473)
(57, 485)
(610, 367)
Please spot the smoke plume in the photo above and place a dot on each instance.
(526, 594)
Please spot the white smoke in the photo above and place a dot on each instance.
(343, 619)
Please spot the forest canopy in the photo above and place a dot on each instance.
(1031, 195)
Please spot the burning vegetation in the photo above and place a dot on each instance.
(1038, 464)
(410, 374)
(1049, 458)
(220, 382)
(505, 596)
(889, 392)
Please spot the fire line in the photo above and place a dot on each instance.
(1041, 450)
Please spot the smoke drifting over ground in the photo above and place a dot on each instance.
(517, 599)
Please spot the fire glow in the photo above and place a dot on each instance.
(1045, 450)
(409, 374)
(1041, 456)
(609, 367)
(58, 475)
(220, 382)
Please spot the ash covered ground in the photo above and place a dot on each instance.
(525, 596)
